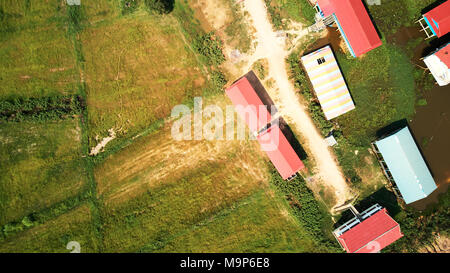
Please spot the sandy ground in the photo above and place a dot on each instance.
(273, 48)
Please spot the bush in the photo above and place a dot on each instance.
(159, 6)
(40, 109)
(210, 47)
(129, 6)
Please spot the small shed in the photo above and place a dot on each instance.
(439, 65)
(328, 83)
(368, 232)
(404, 165)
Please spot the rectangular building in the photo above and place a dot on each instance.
(247, 95)
(439, 65)
(328, 83)
(353, 22)
(369, 232)
(436, 22)
(280, 152)
(404, 165)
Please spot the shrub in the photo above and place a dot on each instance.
(159, 6)
(210, 47)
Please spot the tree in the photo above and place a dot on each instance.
(159, 6)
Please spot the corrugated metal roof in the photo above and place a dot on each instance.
(372, 234)
(280, 152)
(328, 82)
(439, 64)
(356, 24)
(248, 104)
(439, 19)
(407, 166)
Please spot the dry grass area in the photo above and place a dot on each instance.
(53, 236)
(137, 68)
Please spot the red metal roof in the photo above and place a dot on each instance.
(248, 104)
(355, 23)
(280, 152)
(440, 15)
(444, 55)
(326, 6)
(372, 234)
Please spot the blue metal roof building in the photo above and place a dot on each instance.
(405, 166)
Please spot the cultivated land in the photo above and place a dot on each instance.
(136, 69)
(37, 58)
(41, 164)
(147, 192)
(53, 236)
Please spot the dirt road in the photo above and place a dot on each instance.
(269, 46)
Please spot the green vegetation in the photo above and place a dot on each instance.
(53, 236)
(40, 109)
(296, 10)
(258, 223)
(421, 228)
(237, 30)
(159, 6)
(260, 67)
(382, 95)
(171, 208)
(311, 214)
(391, 15)
(210, 47)
(41, 164)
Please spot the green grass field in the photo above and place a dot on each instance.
(259, 223)
(41, 164)
(295, 10)
(36, 55)
(137, 67)
(53, 236)
(148, 193)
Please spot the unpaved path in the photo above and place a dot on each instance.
(269, 46)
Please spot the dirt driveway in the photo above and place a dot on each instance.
(269, 46)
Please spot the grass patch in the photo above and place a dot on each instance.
(296, 10)
(393, 14)
(53, 236)
(237, 30)
(137, 69)
(259, 223)
(261, 68)
(311, 214)
(41, 164)
(179, 203)
(382, 94)
(36, 56)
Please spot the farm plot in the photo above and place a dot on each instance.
(41, 164)
(137, 68)
(53, 236)
(36, 56)
(259, 223)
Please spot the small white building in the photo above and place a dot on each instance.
(439, 63)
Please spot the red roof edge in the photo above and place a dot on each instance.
(371, 235)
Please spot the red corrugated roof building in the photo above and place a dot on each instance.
(280, 152)
(247, 95)
(249, 105)
(354, 24)
(438, 19)
(372, 234)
